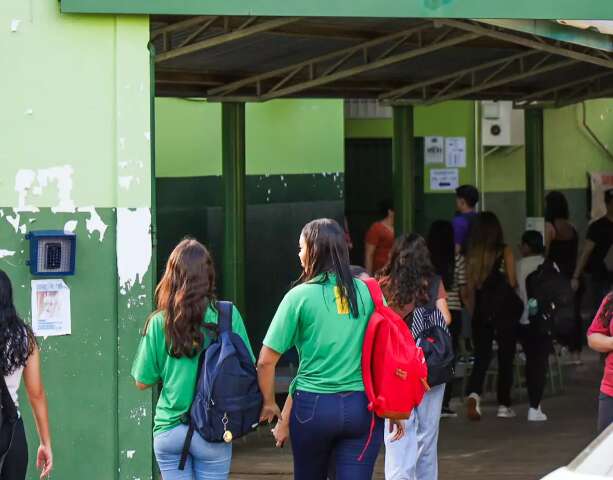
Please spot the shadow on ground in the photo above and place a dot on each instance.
(508, 449)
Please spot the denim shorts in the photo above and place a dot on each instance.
(206, 461)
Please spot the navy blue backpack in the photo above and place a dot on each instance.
(228, 401)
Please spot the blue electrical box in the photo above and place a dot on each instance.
(52, 253)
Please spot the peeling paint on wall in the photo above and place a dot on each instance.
(6, 253)
(94, 223)
(133, 246)
(34, 182)
(70, 226)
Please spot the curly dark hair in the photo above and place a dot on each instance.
(407, 275)
(17, 341)
(606, 312)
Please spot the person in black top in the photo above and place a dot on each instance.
(561, 244)
(595, 253)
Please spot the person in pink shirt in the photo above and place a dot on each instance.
(600, 338)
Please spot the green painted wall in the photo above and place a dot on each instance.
(75, 153)
(283, 137)
(450, 119)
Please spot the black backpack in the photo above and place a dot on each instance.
(497, 303)
(555, 300)
(432, 335)
(8, 417)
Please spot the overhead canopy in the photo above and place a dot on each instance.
(519, 9)
(419, 61)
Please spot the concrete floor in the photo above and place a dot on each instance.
(510, 449)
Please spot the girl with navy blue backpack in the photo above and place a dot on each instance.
(174, 337)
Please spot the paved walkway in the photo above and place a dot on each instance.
(491, 449)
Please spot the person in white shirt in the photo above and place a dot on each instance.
(20, 358)
(536, 345)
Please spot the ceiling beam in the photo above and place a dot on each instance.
(310, 63)
(496, 83)
(541, 94)
(455, 76)
(537, 44)
(178, 26)
(225, 38)
(565, 102)
(333, 75)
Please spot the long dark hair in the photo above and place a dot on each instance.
(442, 250)
(556, 207)
(606, 311)
(183, 295)
(408, 273)
(16, 338)
(485, 245)
(326, 253)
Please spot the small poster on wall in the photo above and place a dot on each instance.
(50, 308)
(444, 179)
(434, 150)
(455, 152)
(600, 182)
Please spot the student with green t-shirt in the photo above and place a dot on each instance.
(168, 353)
(325, 318)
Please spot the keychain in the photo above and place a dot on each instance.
(227, 434)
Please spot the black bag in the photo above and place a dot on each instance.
(8, 418)
(554, 300)
(432, 335)
(497, 303)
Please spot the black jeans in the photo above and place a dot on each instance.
(456, 332)
(605, 412)
(16, 461)
(483, 336)
(335, 427)
(537, 348)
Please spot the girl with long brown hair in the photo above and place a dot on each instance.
(600, 338)
(490, 263)
(173, 339)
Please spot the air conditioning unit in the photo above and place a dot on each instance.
(366, 108)
(501, 124)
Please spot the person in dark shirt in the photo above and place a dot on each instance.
(467, 198)
(595, 254)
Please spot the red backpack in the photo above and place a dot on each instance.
(394, 368)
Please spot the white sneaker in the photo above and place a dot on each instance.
(536, 415)
(473, 407)
(506, 412)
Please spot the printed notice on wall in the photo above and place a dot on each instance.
(444, 178)
(50, 308)
(455, 152)
(434, 150)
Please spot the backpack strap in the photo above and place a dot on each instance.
(225, 316)
(375, 292)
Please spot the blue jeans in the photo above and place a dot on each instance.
(333, 427)
(414, 456)
(206, 461)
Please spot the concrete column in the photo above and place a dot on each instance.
(404, 169)
(535, 163)
(234, 207)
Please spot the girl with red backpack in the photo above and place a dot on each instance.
(324, 317)
(408, 281)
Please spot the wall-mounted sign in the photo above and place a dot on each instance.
(444, 179)
(455, 152)
(434, 150)
(600, 182)
(50, 308)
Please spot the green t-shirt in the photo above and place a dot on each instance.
(178, 375)
(314, 319)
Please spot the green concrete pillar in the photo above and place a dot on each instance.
(234, 208)
(404, 169)
(535, 164)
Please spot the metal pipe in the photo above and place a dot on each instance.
(591, 132)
